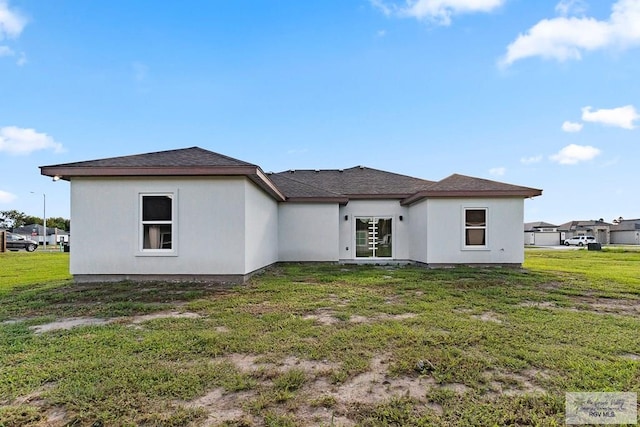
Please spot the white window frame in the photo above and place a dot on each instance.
(173, 195)
(486, 228)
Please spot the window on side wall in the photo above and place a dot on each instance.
(475, 227)
(157, 223)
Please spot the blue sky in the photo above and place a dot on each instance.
(543, 94)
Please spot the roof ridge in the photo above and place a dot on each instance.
(285, 176)
(222, 155)
(392, 173)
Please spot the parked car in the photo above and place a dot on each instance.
(15, 242)
(580, 240)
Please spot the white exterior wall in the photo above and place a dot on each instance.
(505, 239)
(261, 228)
(374, 208)
(625, 237)
(308, 231)
(551, 238)
(208, 228)
(418, 215)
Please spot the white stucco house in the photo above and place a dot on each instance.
(195, 214)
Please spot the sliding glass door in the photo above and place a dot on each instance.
(374, 237)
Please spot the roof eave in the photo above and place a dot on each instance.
(254, 173)
(524, 193)
(377, 196)
(339, 200)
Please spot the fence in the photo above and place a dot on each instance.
(3, 241)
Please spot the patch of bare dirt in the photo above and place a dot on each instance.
(337, 301)
(323, 316)
(327, 316)
(320, 402)
(222, 407)
(551, 286)
(162, 315)
(249, 363)
(537, 304)
(54, 416)
(375, 385)
(488, 316)
(69, 323)
(513, 384)
(631, 356)
(457, 388)
(73, 322)
(309, 416)
(610, 305)
(265, 307)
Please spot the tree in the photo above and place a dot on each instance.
(12, 218)
(58, 222)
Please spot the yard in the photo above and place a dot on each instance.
(319, 344)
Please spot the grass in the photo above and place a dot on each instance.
(323, 345)
(25, 268)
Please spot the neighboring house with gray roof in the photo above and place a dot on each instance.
(596, 228)
(192, 213)
(541, 233)
(36, 232)
(626, 232)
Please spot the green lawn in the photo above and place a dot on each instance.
(322, 345)
(28, 268)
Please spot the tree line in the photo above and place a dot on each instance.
(14, 219)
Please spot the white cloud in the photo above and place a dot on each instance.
(6, 197)
(623, 117)
(11, 25)
(438, 11)
(572, 154)
(531, 160)
(11, 21)
(497, 171)
(572, 126)
(15, 140)
(571, 7)
(564, 38)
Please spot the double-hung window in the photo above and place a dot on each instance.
(475, 227)
(157, 228)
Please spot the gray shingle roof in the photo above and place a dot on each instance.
(627, 225)
(359, 181)
(330, 185)
(579, 225)
(538, 224)
(194, 156)
(463, 183)
(295, 189)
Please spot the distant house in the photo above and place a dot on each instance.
(36, 232)
(626, 232)
(192, 213)
(596, 228)
(541, 234)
